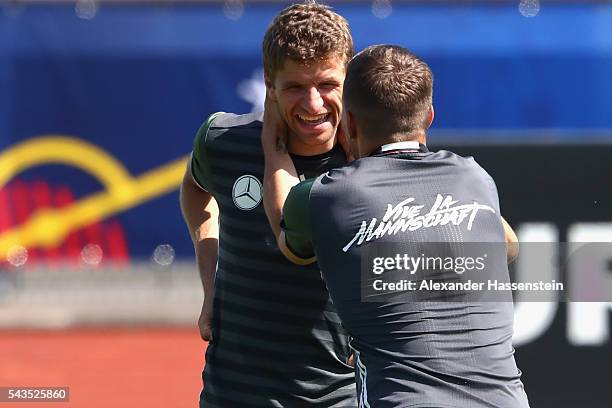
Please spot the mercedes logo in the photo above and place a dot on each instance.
(247, 192)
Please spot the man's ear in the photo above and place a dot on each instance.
(430, 118)
(270, 90)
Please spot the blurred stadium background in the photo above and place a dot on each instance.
(99, 103)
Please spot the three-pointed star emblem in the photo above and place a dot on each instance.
(247, 192)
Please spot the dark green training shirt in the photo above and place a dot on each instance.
(278, 341)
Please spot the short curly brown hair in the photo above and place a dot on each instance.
(389, 89)
(306, 32)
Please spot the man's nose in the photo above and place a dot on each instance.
(313, 102)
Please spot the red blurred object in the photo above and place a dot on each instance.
(19, 200)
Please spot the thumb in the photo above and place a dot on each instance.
(344, 143)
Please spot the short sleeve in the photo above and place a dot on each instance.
(200, 163)
(296, 220)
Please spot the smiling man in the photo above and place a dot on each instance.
(275, 339)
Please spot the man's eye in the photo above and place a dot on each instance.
(293, 88)
(329, 85)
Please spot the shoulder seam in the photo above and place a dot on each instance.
(210, 121)
(252, 124)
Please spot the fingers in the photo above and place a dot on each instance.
(351, 360)
(274, 132)
(204, 321)
(205, 328)
(206, 333)
(512, 242)
(344, 143)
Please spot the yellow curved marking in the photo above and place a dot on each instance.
(65, 150)
(49, 227)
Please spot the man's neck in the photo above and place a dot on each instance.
(300, 149)
(395, 138)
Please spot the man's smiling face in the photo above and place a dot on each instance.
(309, 98)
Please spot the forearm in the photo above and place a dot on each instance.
(201, 214)
(279, 176)
(207, 251)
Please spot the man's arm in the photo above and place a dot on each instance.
(279, 174)
(512, 242)
(201, 214)
(281, 201)
(295, 241)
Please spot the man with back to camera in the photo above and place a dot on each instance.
(452, 353)
(275, 339)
